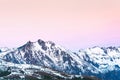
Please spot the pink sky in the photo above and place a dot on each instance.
(73, 24)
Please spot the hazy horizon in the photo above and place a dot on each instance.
(74, 24)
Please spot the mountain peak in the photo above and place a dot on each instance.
(29, 42)
(41, 42)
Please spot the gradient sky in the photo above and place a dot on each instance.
(74, 24)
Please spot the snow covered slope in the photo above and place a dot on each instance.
(20, 71)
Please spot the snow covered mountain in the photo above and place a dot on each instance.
(103, 62)
(46, 54)
(106, 61)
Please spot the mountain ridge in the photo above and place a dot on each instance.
(94, 61)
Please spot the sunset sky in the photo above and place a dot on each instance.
(74, 24)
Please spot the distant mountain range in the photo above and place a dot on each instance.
(40, 57)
